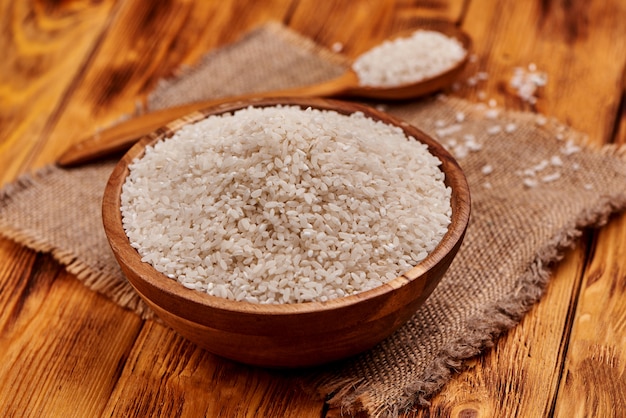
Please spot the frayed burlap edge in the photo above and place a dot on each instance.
(98, 281)
(351, 396)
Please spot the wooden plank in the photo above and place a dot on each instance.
(594, 376)
(349, 24)
(410, 10)
(43, 51)
(63, 345)
(14, 273)
(167, 375)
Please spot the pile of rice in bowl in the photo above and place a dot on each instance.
(284, 205)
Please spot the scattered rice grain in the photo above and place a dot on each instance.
(494, 130)
(487, 169)
(337, 47)
(510, 127)
(549, 178)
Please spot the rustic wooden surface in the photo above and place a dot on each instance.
(68, 67)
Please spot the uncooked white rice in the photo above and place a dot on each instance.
(285, 205)
(422, 55)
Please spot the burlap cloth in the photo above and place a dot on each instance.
(534, 186)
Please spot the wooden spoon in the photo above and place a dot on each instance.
(123, 135)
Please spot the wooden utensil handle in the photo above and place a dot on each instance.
(122, 136)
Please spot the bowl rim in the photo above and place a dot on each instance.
(129, 258)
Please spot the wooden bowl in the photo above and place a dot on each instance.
(287, 335)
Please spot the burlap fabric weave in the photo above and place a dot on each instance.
(534, 186)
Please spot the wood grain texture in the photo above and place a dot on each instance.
(69, 67)
(594, 378)
(45, 49)
(168, 376)
(15, 282)
(55, 361)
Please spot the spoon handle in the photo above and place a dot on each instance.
(122, 136)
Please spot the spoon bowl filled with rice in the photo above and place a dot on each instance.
(286, 232)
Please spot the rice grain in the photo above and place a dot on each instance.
(285, 205)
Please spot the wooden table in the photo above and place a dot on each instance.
(69, 67)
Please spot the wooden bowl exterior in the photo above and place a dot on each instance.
(287, 335)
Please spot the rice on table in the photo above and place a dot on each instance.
(422, 55)
(284, 205)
